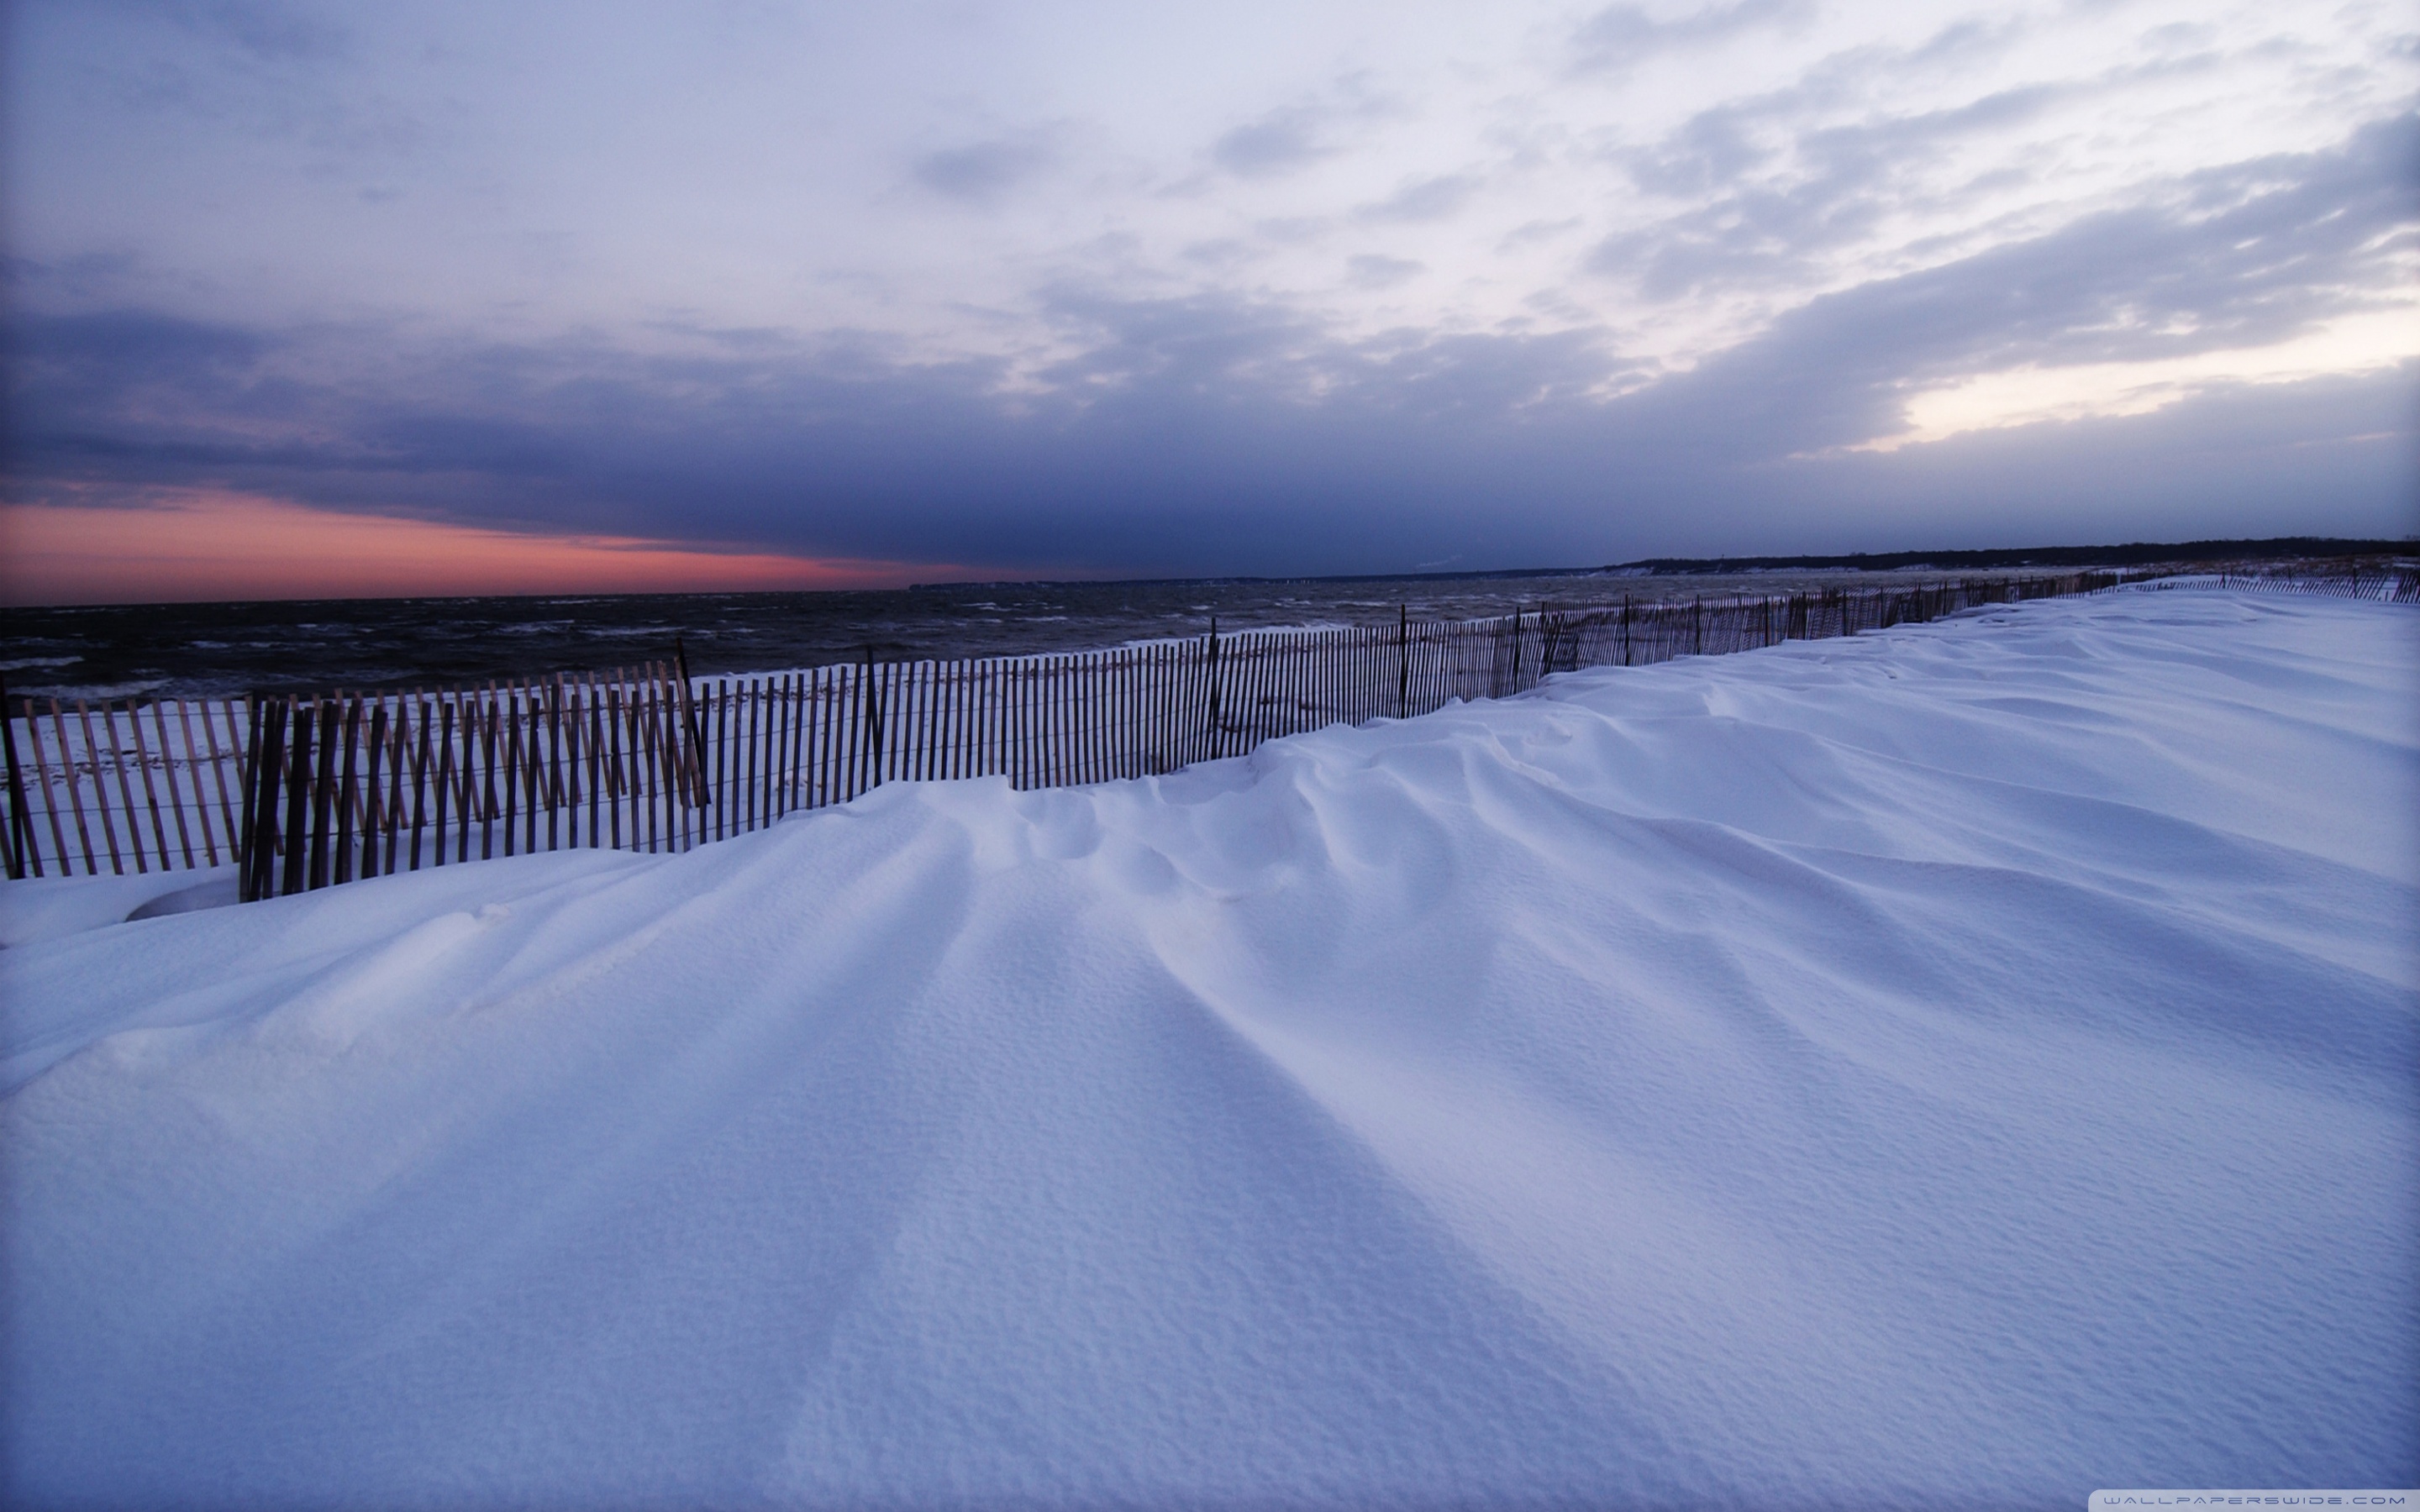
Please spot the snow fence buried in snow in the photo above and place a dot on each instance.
(337, 787)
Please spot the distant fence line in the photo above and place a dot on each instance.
(309, 791)
(2394, 587)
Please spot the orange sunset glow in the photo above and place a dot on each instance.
(199, 546)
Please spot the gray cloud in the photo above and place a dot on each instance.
(261, 71)
(1772, 197)
(1276, 143)
(1621, 35)
(1713, 149)
(979, 172)
(2243, 256)
(261, 30)
(1373, 270)
(1423, 199)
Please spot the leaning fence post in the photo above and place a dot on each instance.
(1402, 661)
(241, 841)
(1211, 742)
(870, 698)
(324, 790)
(267, 765)
(696, 764)
(346, 791)
(297, 799)
(20, 828)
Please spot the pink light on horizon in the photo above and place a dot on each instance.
(200, 546)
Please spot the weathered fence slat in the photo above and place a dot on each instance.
(100, 789)
(24, 853)
(168, 777)
(75, 784)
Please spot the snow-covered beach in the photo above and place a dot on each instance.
(1973, 1060)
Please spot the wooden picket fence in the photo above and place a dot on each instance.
(308, 791)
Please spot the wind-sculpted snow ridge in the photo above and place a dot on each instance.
(1970, 1060)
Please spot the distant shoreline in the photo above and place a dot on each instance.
(220, 650)
(2132, 554)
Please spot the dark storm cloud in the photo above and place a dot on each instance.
(117, 352)
(1214, 433)
(1219, 438)
(1189, 434)
(2322, 454)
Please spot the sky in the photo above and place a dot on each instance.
(428, 297)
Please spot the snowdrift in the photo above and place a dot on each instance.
(1972, 1060)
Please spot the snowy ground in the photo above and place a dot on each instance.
(1976, 1060)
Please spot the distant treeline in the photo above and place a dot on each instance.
(2134, 554)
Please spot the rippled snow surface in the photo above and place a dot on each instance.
(1973, 1059)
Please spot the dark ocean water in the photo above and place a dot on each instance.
(206, 650)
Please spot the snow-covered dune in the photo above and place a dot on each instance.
(1975, 1059)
